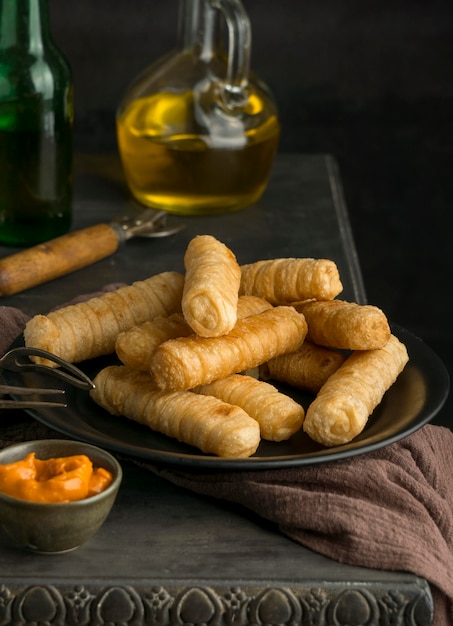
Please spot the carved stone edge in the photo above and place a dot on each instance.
(229, 605)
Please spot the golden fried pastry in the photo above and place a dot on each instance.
(278, 415)
(89, 329)
(308, 368)
(205, 422)
(287, 280)
(190, 361)
(343, 405)
(251, 305)
(211, 288)
(136, 346)
(346, 325)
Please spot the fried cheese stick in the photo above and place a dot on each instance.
(343, 405)
(287, 280)
(211, 288)
(205, 422)
(345, 325)
(190, 361)
(89, 329)
(136, 346)
(308, 368)
(278, 415)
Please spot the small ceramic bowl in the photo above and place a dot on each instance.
(53, 528)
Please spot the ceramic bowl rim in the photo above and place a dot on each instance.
(85, 502)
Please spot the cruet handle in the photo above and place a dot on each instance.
(239, 47)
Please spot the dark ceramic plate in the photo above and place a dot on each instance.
(414, 399)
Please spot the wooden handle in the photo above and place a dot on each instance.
(56, 257)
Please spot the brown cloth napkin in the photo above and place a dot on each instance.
(391, 509)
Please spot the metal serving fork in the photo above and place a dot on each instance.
(18, 360)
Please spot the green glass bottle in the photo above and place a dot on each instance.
(36, 125)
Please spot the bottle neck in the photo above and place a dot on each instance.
(197, 27)
(24, 24)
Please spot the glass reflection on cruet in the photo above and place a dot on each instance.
(197, 131)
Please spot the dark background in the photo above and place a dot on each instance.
(368, 82)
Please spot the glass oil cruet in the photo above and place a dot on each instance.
(197, 132)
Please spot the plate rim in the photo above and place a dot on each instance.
(209, 462)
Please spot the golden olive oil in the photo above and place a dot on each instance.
(177, 159)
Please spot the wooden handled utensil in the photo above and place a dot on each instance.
(77, 249)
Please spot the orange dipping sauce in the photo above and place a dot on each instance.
(62, 479)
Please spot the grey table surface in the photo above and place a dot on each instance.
(166, 555)
(302, 213)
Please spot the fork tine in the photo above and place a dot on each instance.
(68, 372)
(29, 404)
(27, 391)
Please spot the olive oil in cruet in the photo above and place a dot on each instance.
(197, 132)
